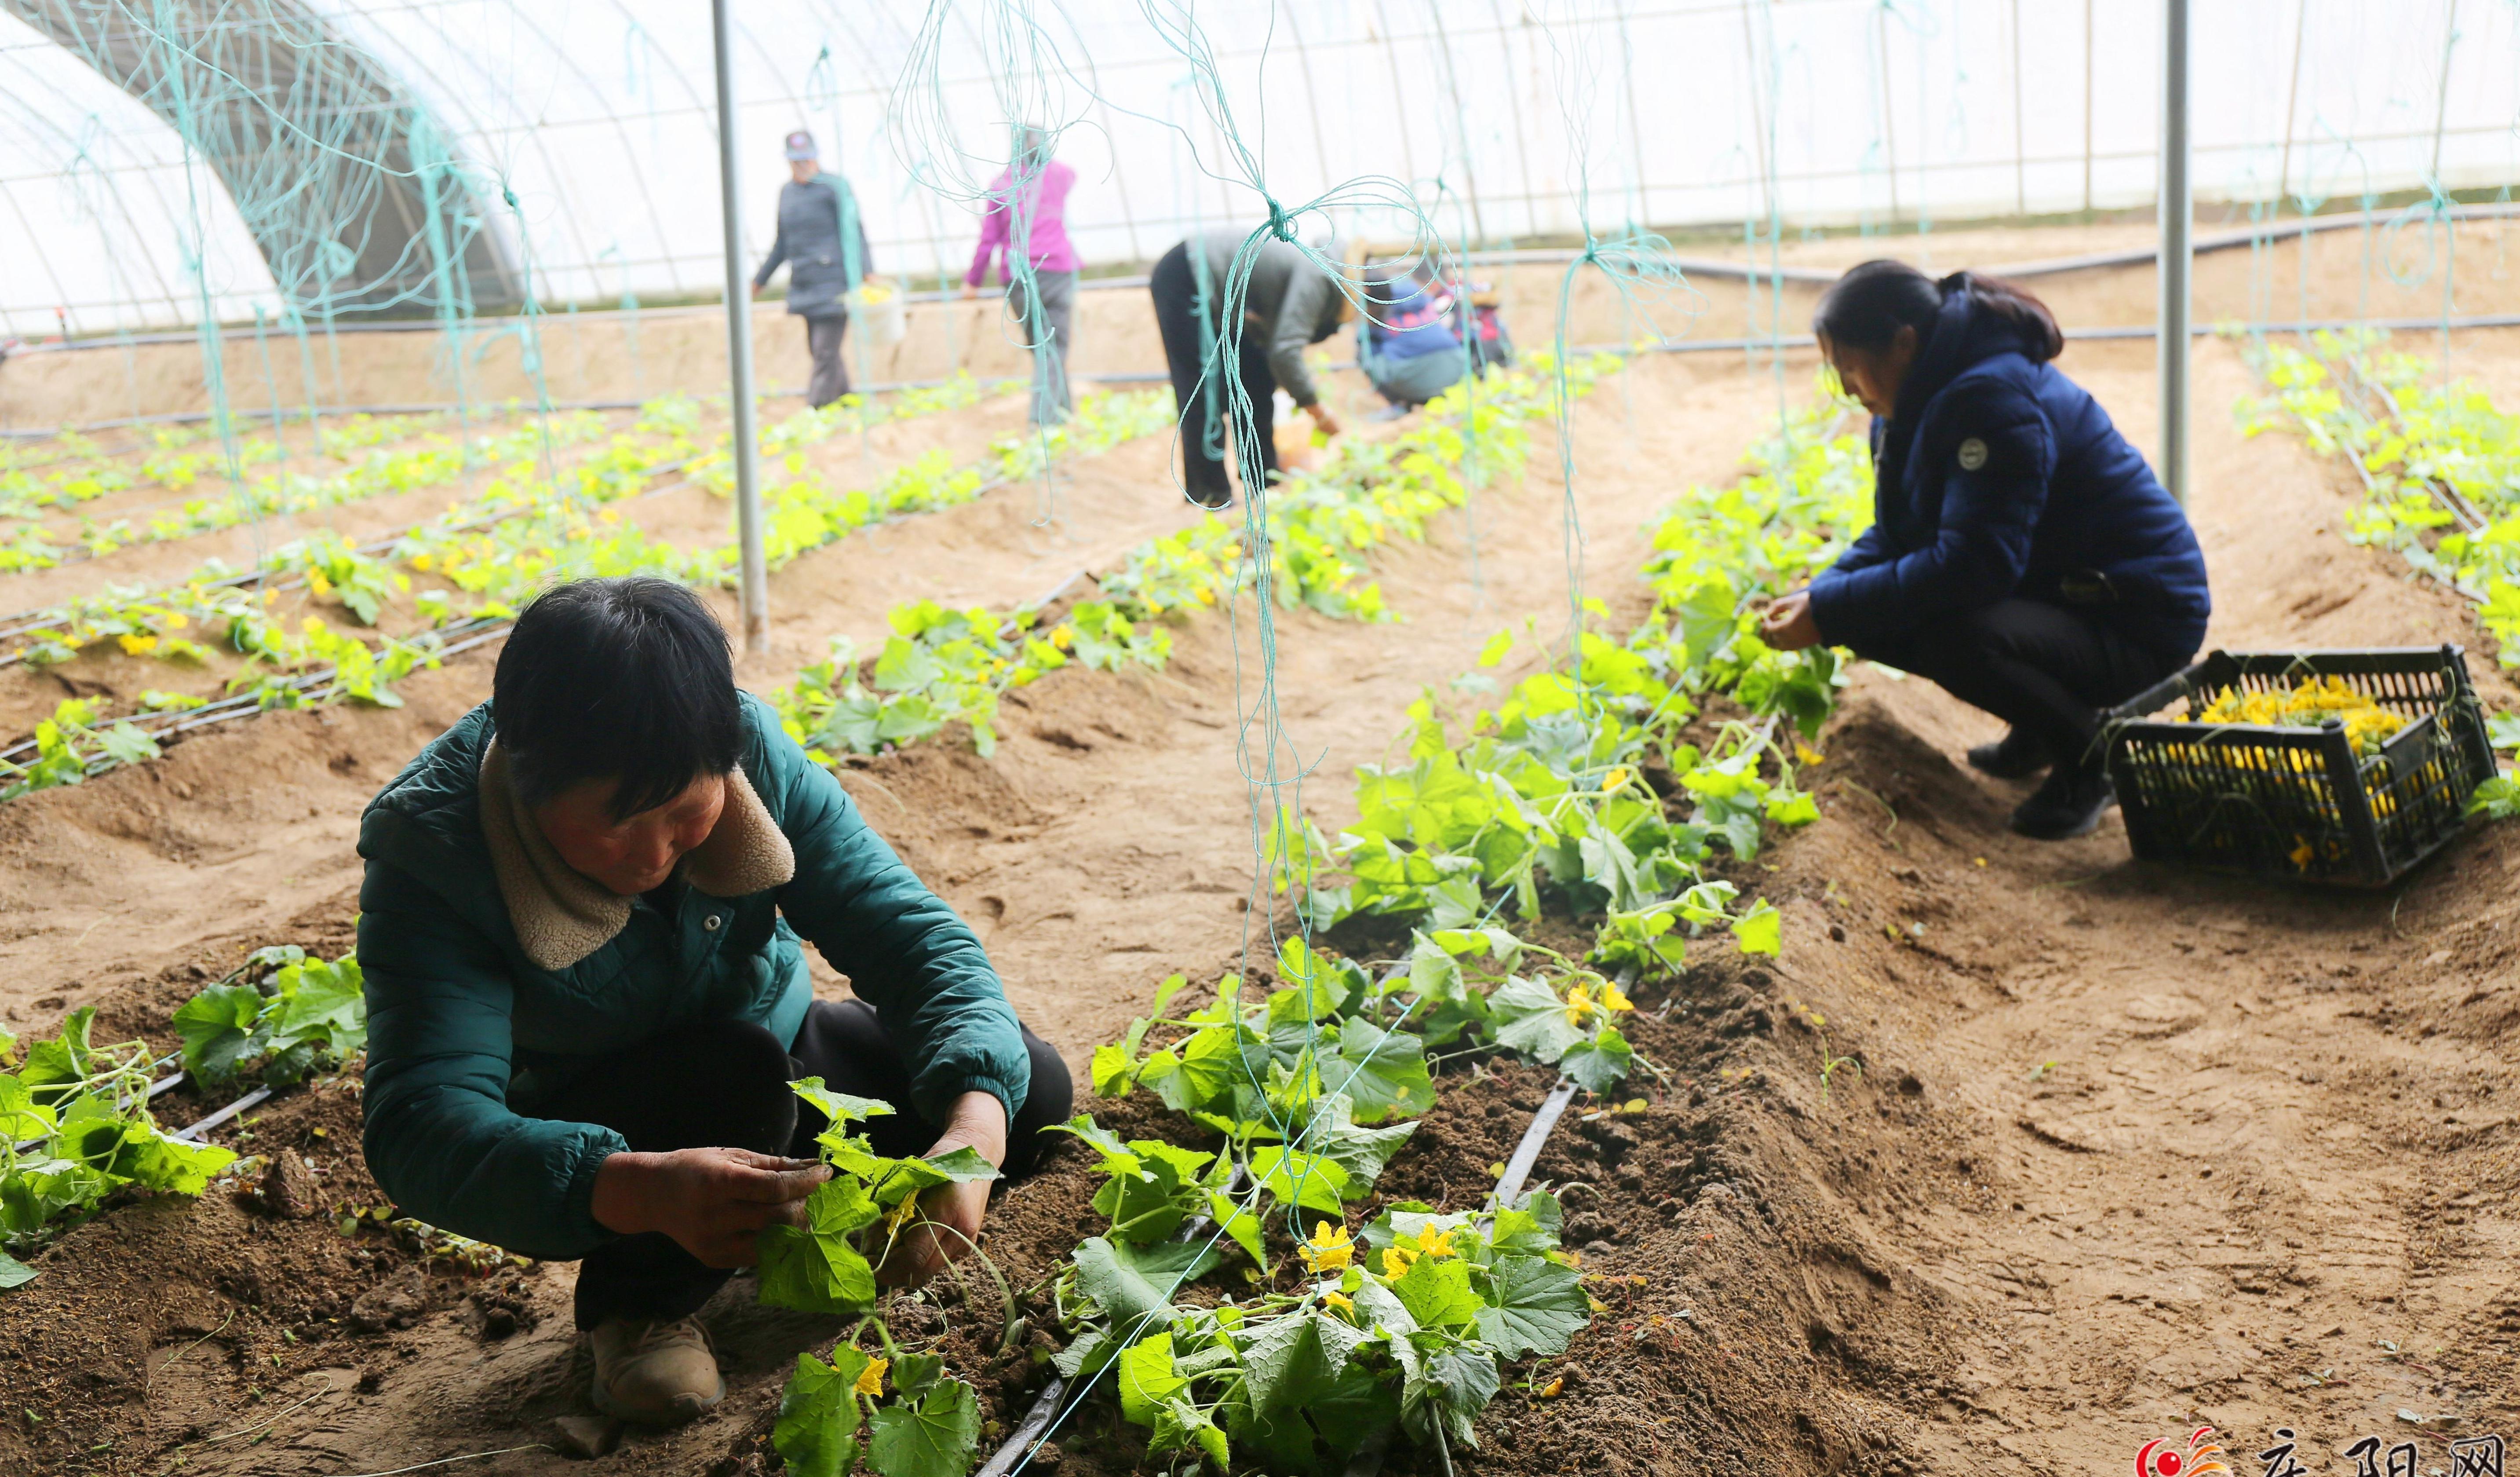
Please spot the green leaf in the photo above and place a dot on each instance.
(1313, 1182)
(1148, 1378)
(1599, 1064)
(838, 1107)
(817, 1433)
(1528, 1017)
(217, 1030)
(1534, 1306)
(1239, 1223)
(156, 1161)
(1495, 648)
(1114, 1071)
(13, 1273)
(1134, 1283)
(813, 1268)
(934, 1438)
(1529, 1227)
(1455, 1385)
(1762, 930)
(1384, 1072)
(1362, 1152)
(1292, 1362)
(1437, 1293)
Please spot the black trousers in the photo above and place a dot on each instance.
(2044, 668)
(1175, 288)
(830, 379)
(724, 1085)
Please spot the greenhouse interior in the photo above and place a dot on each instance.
(1103, 737)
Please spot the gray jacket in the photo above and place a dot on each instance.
(1292, 304)
(819, 276)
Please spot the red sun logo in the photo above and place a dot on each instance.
(2203, 1458)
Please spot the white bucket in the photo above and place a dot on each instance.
(884, 317)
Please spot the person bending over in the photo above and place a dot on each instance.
(1292, 303)
(582, 928)
(2022, 556)
(1405, 340)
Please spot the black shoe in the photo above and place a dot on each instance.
(2016, 756)
(2069, 804)
(1214, 501)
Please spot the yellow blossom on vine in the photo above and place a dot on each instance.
(1339, 1301)
(1330, 1249)
(871, 1378)
(1614, 780)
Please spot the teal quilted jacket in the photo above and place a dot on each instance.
(464, 1026)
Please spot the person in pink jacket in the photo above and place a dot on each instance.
(1029, 200)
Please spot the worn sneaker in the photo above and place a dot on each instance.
(2016, 755)
(2067, 805)
(658, 1372)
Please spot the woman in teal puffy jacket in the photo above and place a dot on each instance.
(582, 928)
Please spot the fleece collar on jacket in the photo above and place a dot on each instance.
(561, 915)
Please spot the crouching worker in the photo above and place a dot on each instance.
(2022, 555)
(582, 930)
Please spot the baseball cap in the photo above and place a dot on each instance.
(801, 145)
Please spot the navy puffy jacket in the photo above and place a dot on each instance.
(1997, 477)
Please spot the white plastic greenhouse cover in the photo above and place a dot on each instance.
(1510, 123)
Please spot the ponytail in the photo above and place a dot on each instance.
(2041, 339)
(1866, 307)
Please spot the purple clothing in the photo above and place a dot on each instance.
(1045, 212)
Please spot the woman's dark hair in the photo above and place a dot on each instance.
(628, 679)
(1868, 306)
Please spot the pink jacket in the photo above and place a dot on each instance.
(1045, 212)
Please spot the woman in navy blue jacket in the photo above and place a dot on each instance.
(2022, 555)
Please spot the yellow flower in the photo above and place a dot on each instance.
(178, 620)
(270, 597)
(1207, 595)
(1806, 754)
(1330, 1249)
(422, 562)
(1550, 1390)
(871, 1378)
(1616, 780)
(1432, 1244)
(1063, 637)
(2301, 854)
(138, 645)
(312, 626)
(1613, 999)
(900, 1215)
(1341, 1302)
(316, 581)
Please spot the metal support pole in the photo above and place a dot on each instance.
(739, 353)
(2177, 249)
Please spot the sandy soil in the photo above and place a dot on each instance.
(2130, 1150)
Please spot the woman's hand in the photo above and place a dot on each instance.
(713, 1202)
(1788, 625)
(1322, 420)
(949, 1227)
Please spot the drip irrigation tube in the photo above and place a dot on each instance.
(254, 1098)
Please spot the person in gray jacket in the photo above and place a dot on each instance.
(1291, 302)
(822, 238)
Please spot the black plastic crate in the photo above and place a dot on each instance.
(2298, 802)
